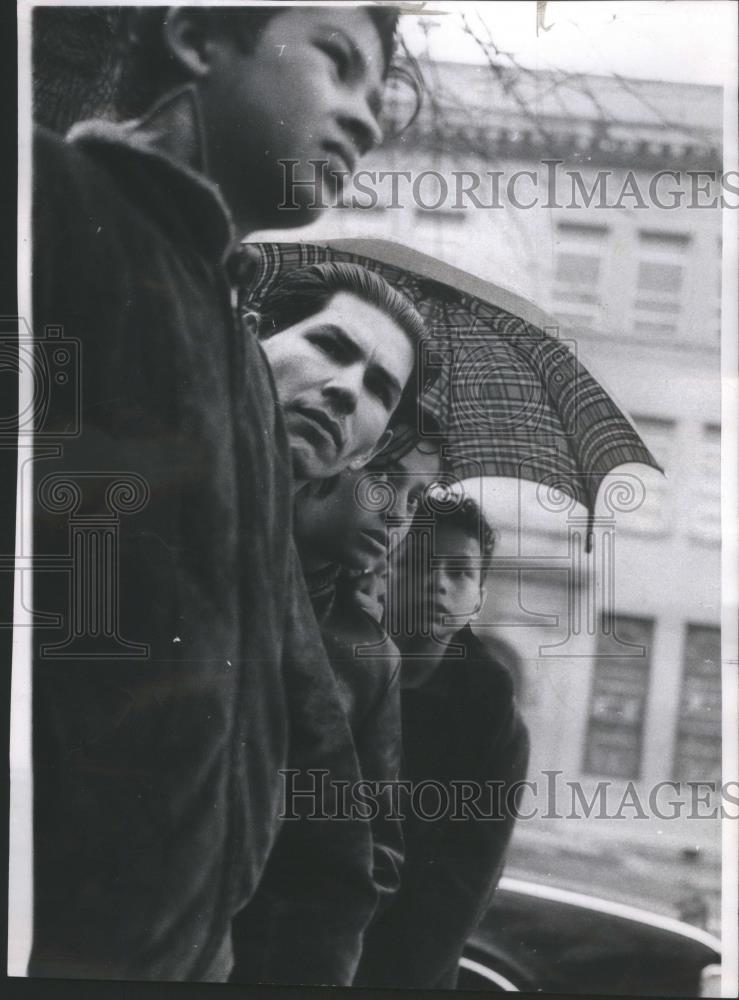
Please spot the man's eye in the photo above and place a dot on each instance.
(328, 345)
(338, 56)
(383, 392)
(413, 502)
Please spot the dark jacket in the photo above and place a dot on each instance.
(275, 939)
(157, 785)
(366, 664)
(461, 725)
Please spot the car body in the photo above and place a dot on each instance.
(544, 939)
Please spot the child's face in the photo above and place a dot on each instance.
(335, 527)
(453, 591)
(311, 89)
(348, 524)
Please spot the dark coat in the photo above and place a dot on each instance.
(275, 940)
(157, 784)
(460, 725)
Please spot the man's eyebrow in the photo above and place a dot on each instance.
(338, 332)
(349, 346)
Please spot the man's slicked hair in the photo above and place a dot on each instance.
(305, 291)
(149, 69)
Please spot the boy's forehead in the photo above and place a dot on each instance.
(355, 21)
(457, 541)
(354, 26)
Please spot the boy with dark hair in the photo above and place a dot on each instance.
(339, 530)
(259, 87)
(157, 750)
(148, 69)
(460, 725)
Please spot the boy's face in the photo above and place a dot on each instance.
(339, 375)
(453, 593)
(347, 525)
(310, 89)
(336, 528)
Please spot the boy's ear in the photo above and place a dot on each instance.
(361, 460)
(187, 40)
(250, 321)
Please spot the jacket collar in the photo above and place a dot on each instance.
(192, 203)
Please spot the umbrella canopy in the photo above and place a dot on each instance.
(510, 397)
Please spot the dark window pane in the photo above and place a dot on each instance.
(617, 699)
(656, 277)
(577, 269)
(698, 743)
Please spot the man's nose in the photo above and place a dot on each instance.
(342, 390)
(360, 123)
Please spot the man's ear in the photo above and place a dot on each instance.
(186, 38)
(361, 460)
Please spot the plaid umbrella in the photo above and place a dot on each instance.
(510, 397)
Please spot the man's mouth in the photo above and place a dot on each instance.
(326, 424)
(344, 152)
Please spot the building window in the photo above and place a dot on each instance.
(578, 272)
(652, 517)
(698, 738)
(705, 510)
(613, 745)
(659, 283)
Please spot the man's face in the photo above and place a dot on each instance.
(348, 524)
(453, 592)
(311, 89)
(339, 376)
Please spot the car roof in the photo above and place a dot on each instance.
(605, 906)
